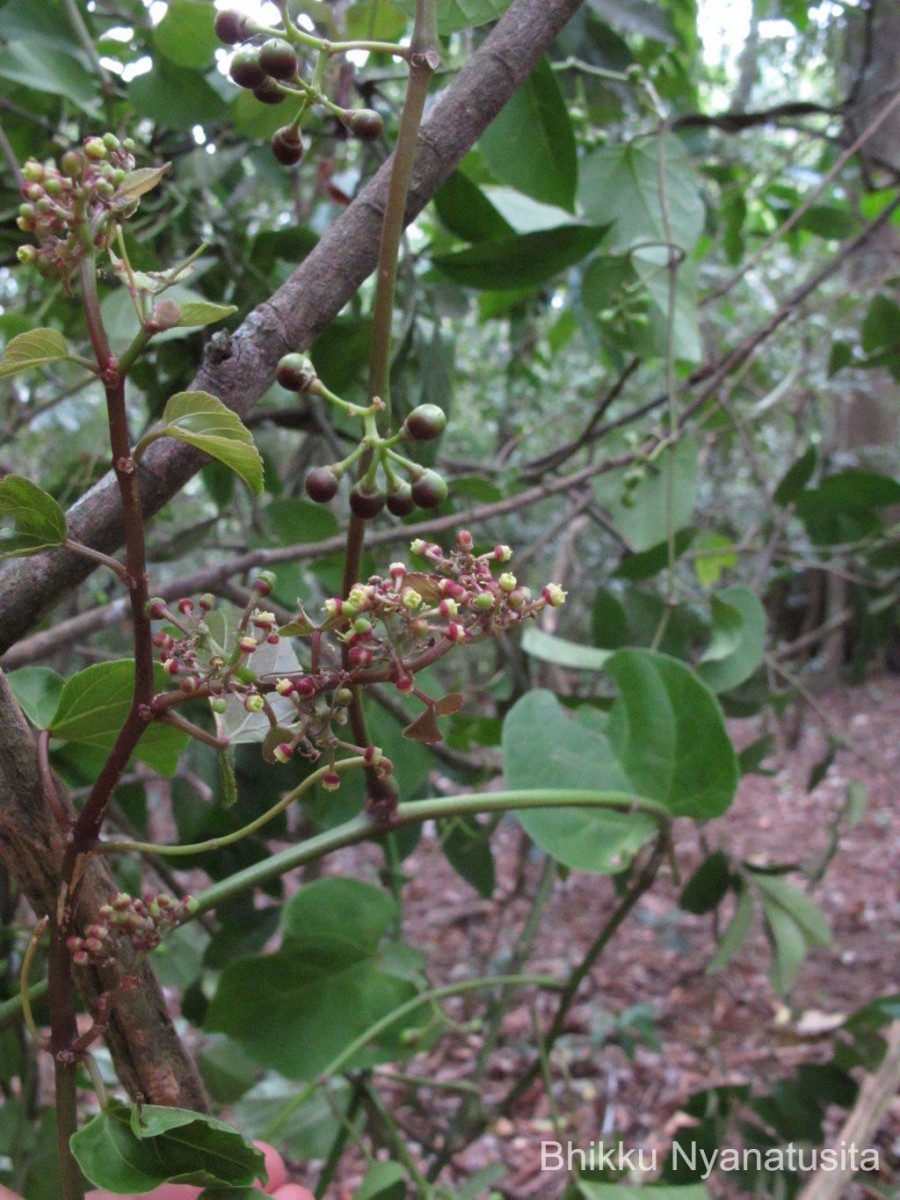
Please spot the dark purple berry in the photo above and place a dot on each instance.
(429, 490)
(425, 423)
(365, 503)
(268, 92)
(400, 500)
(231, 27)
(287, 145)
(295, 372)
(366, 124)
(246, 71)
(321, 485)
(277, 58)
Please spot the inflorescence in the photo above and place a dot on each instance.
(386, 630)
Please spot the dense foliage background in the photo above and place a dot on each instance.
(658, 302)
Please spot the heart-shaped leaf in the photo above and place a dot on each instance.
(38, 521)
(202, 420)
(33, 349)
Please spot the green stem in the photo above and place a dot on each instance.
(432, 996)
(362, 829)
(228, 839)
(96, 555)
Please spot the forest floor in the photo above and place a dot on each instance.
(706, 1030)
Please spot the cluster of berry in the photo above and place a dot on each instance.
(73, 207)
(422, 487)
(274, 72)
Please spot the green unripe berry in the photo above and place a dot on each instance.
(95, 148)
(71, 164)
(27, 255)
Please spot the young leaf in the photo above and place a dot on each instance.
(138, 183)
(204, 421)
(788, 946)
(799, 906)
(126, 1149)
(547, 647)
(38, 521)
(198, 312)
(93, 707)
(33, 349)
(37, 690)
(738, 639)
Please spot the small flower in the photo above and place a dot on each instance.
(284, 687)
(554, 595)
(283, 752)
(247, 644)
(331, 781)
(502, 553)
(254, 703)
(507, 582)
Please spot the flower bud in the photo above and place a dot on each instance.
(254, 703)
(502, 553)
(156, 608)
(283, 752)
(464, 541)
(507, 582)
(264, 582)
(554, 595)
(331, 781)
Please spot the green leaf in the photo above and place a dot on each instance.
(620, 185)
(667, 731)
(38, 522)
(47, 69)
(738, 639)
(736, 933)
(383, 1181)
(845, 506)
(37, 690)
(796, 477)
(799, 906)
(635, 16)
(543, 746)
(517, 262)
(651, 267)
(186, 34)
(130, 1149)
(179, 98)
(467, 845)
(454, 15)
(788, 946)
(198, 313)
(375, 20)
(718, 555)
(531, 145)
(825, 221)
(467, 212)
(204, 421)
(93, 707)
(547, 647)
(33, 349)
(295, 1010)
(708, 886)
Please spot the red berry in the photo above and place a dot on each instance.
(245, 69)
(268, 92)
(287, 145)
(400, 500)
(321, 485)
(366, 124)
(278, 59)
(232, 27)
(425, 423)
(295, 372)
(365, 503)
(429, 490)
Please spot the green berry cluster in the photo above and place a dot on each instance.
(270, 63)
(73, 207)
(390, 480)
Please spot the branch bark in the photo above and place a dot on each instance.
(301, 308)
(149, 1057)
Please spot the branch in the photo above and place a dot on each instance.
(301, 308)
(150, 1059)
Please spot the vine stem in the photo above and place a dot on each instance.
(85, 831)
(363, 828)
(423, 62)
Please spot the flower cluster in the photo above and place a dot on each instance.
(386, 630)
(147, 921)
(73, 207)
